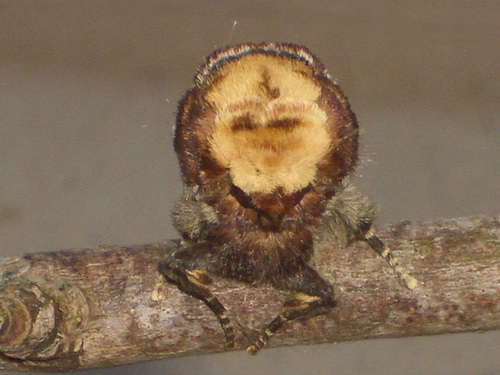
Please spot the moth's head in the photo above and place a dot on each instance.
(270, 117)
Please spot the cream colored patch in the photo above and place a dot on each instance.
(259, 91)
(240, 80)
(306, 298)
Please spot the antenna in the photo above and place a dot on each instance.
(235, 22)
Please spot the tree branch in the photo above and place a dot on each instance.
(70, 310)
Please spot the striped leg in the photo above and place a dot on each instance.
(386, 254)
(315, 297)
(301, 306)
(194, 282)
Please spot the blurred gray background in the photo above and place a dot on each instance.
(88, 94)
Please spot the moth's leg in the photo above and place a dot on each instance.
(385, 252)
(186, 270)
(314, 297)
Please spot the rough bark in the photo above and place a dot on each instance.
(76, 309)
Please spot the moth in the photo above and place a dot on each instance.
(266, 142)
